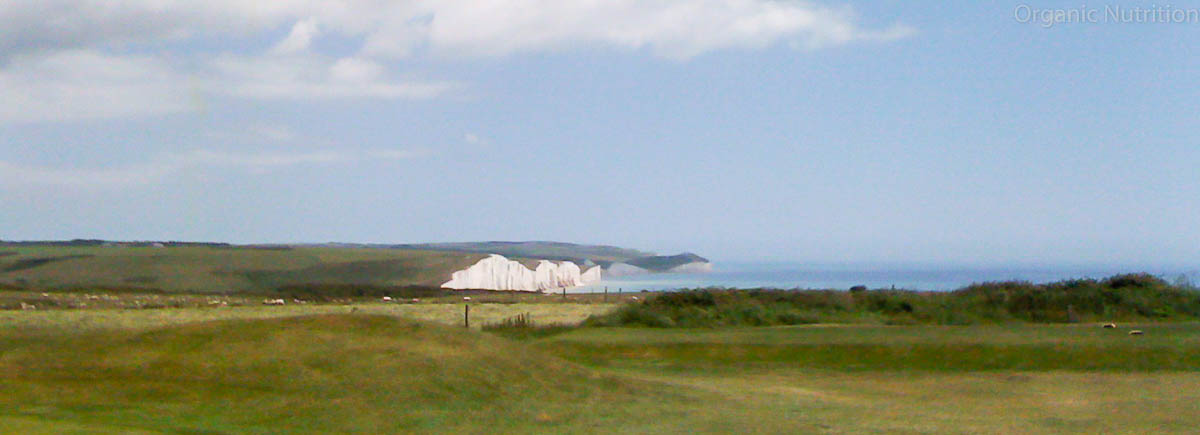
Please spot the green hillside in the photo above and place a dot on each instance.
(663, 263)
(224, 268)
(599, 254)
(220, 269)
(538, 249)
(318, 374)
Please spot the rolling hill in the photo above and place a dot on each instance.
(264, 269)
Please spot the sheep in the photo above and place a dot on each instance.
(1136, 332)
(273, 302)
(387, 298)
(415, 300)
(1110, 325)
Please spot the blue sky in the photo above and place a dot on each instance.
(897, 132)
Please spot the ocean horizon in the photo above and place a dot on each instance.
(842, 277)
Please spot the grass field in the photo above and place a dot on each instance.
(209, 269)
(51, 322)
(369, 368)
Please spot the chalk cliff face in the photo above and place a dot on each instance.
(498, 273)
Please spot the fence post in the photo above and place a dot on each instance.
(605, 293)
(466, 315)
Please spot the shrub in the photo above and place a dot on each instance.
(1121, 297)
(522, 326)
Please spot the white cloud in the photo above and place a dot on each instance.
(18, 175)
(80, 84)
(155, 171)
(676, 29)
(313, 77)
(670, 28)
(89, 84)
(259, 161)
(299, 39)
(68, 59)
(40, 25)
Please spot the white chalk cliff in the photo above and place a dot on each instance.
(498, 273)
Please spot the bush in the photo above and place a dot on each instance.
(522, 326)
(1121, 297)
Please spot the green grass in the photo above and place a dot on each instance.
(50, 322)
(1131, 297)
(321, 369)
(208, 269)
(1165, 347)
(313, 374)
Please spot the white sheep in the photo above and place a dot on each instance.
(387, 298)
(273, 302)
(1136, 332)
(1110, 325)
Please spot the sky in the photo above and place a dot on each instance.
(977, 133)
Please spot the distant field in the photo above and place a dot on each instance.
(212, 269)
(368, 368)
(1164, 347)
(79, 320)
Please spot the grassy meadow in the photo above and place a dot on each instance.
(221, 269)
(137, 339)
(385, 368)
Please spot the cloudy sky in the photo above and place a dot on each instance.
(908, 132)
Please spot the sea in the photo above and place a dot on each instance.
(842, 277)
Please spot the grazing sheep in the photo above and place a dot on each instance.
(1136, 332)
(25, 306)
(387, 298)
(415, 300)
(633, 297)
(466, 298)
(273, 302)
(1110, 325)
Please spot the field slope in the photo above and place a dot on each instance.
(383, 374)
(330, 373)
(222, 269)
